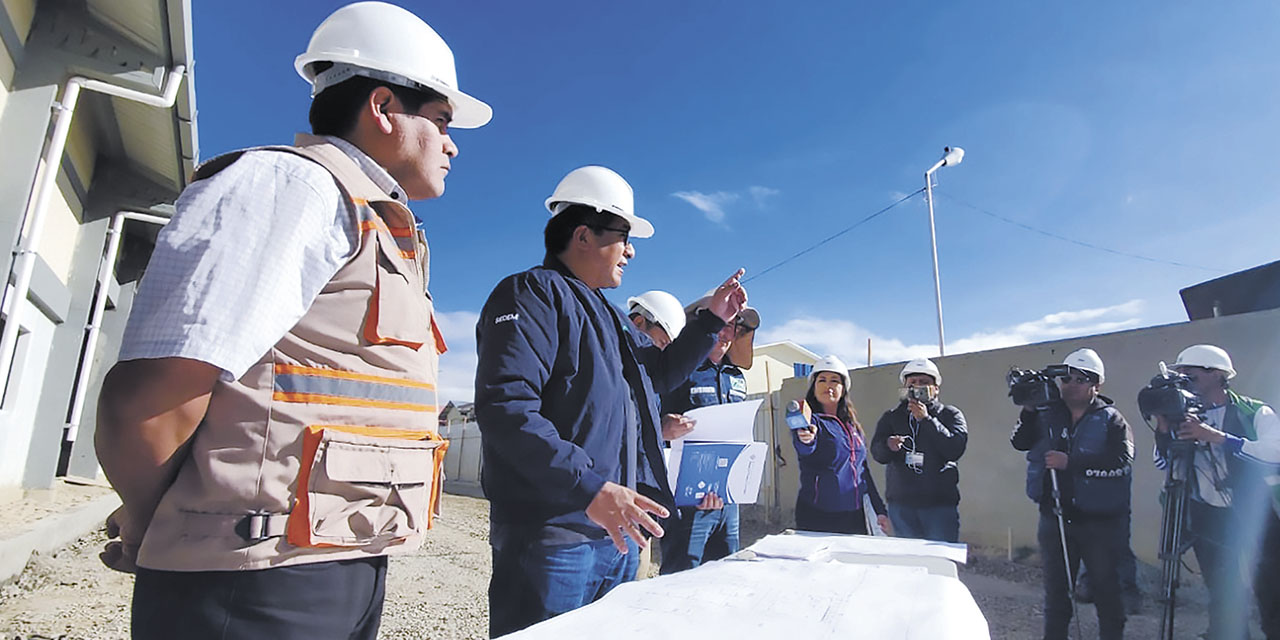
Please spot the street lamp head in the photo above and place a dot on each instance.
(954, 156)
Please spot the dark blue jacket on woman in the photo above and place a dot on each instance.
(833, 468)
(552, 401)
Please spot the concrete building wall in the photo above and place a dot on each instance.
(994, 507)
(20, 432)
(21, 14)
(143, 160)
(6, 75)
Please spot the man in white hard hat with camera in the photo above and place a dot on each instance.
(1079, 470)
(920, 442)
(285, 301)
(1235, 530)
(567, 403)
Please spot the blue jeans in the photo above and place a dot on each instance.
(533, 581)
(926, 523)
(694, 536)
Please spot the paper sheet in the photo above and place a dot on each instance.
(778, 599)
(821, 546)
(733, 422)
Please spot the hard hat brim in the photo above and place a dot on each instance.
(468, 112)
(640, 228)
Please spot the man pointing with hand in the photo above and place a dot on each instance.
(566, 399)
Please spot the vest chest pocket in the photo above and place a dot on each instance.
(399, 311)
(362, 486)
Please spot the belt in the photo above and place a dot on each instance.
(250, 527)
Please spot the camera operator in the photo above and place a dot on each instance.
(1087, 442)
(1234, 527)
(920, 441)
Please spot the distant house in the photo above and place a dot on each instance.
(775, 362)
(457, 413)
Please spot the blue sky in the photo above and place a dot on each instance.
(752, 130)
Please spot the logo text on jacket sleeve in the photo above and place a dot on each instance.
(506, 318)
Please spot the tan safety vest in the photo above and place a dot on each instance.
(326, 449)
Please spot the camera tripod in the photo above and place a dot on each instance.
(1173, 524)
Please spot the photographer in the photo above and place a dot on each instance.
(1086, 441)
(1232, 521)
(920, 441)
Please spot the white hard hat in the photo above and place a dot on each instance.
(385, 42)
(921, 365)
(1087, 360)
(833, 364)
(1206, 356)
(660, 307)
(602, 189)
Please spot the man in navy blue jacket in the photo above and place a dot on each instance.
(566, 399)
(710, 530)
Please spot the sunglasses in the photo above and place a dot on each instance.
(626, 233)
(1076, 379)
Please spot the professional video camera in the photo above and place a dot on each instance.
(1168, 395)
(1035, 388)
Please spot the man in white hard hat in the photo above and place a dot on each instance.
(285, 300)
(659, 315)
(710, 531)
(567, 403)
(1083, 440)
(1233, 509)
(920, 442)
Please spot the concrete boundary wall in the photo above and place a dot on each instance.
(994, 509)
(993, 502)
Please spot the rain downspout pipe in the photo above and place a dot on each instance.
(106, 272)
(24, 262)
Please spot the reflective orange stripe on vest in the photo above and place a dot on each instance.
(296, 383)
(406, 240)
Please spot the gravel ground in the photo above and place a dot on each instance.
(440, 591)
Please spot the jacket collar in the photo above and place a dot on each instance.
(722, 366)
(376, 173)
(555, 264)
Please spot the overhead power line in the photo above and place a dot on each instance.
(837, 234)
(1081, 243)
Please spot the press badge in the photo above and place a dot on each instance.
(915, 459)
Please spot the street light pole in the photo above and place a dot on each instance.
(953, 157)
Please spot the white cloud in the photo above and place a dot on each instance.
(848, 340)
(842, 337)
(710, 204)
(458, 364)
(759, 194)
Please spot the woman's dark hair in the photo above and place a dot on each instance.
(555, 237)
(334, 111)
(844, 406)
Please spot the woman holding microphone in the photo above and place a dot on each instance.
(837, 494)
